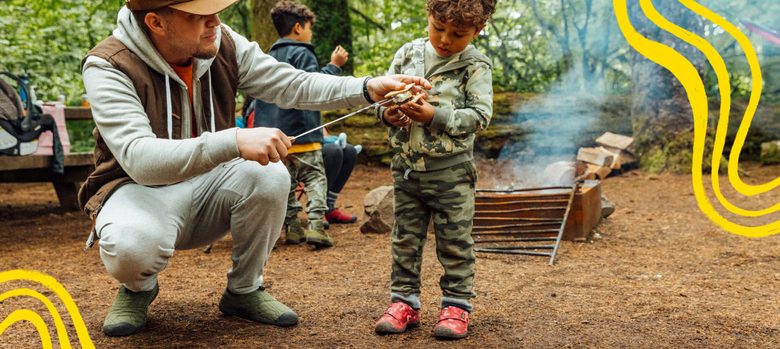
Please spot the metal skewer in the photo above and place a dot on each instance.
(377, 104)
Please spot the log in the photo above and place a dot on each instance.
(612, 140)
(595, 156)
(597, 172)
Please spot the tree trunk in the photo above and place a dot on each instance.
(661, 115)
(333, 27)
(263, 30)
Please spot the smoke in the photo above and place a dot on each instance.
(587, 44)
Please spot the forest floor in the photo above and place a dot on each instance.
(659, 275)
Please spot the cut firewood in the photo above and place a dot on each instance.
(597, 172)
(595, 156)
(621, 158)
(613, 140)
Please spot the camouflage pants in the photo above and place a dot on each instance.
(447, 196)
(309, 168)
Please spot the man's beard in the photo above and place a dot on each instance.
(206, 53)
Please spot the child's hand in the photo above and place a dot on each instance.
(395, 117)
(418, 109)
(339, 56)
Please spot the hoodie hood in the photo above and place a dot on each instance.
(472, 54)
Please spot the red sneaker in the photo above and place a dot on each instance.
(339, 217)
(453, 323)
(398, 317)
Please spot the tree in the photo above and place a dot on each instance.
(263, 30)
(661, 116)
(333, 27)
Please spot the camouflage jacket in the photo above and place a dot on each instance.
(462, 95)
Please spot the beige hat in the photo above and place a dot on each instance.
(198, 7)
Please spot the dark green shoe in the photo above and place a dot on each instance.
(128, 313)
(294, 234)
(316, 235)
(257, 306)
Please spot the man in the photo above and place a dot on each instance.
(171, 170)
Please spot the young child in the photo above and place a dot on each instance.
(293, 22)
(433, 170)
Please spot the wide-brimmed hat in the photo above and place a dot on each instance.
(198, 7)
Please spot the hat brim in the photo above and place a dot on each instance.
(203, 7)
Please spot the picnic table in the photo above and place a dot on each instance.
(36, 168)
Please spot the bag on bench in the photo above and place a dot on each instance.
(21, 125)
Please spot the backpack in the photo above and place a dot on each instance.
(22, 124)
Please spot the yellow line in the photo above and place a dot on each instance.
(61, 292)
(686, 73)
(755, 95)
(719, 66)
(62, 334)
(32, 317)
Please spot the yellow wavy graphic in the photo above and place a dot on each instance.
(28, 315)
(724, 85)
(688, 76)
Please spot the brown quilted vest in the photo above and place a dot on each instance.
(150, 87)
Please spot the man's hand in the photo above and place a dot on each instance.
(379, 86)
(395, 117)
(262, 144)
(339, 56)
(418, 110)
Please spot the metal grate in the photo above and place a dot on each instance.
(522, 221)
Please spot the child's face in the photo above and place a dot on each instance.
(304, 33)
(449, 39)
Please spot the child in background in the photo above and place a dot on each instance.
(340, 158)
(293, 22)
(433, 170)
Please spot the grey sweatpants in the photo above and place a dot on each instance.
(139, 226)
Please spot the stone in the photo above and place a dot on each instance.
(770, 152)
(379, 211)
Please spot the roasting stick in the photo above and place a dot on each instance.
(377, 104)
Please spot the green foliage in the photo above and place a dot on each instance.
(380, 28)
(332, 28)
(80, 135)
(48, 39)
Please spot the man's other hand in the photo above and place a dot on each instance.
(379, 86)
(262, 144)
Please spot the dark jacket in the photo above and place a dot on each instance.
(293, 121)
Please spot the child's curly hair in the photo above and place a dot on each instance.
(462, 12)
(286, 13)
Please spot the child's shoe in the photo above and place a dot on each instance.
(398, 318)
(317, 237)
(294, 234)
(338, 217)
(453, 323)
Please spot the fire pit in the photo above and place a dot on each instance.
(533, 221)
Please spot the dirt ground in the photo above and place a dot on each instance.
(659, 275)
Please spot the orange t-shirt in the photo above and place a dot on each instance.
(185, 74)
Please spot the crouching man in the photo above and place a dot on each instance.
(172, 171)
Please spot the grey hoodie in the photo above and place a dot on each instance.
(121, 120)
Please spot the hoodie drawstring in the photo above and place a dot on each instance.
(211, 102)
(168, 105)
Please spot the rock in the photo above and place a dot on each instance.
(607, 207)
(770, 152)
(379, 211)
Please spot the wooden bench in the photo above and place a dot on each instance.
(36, 168)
